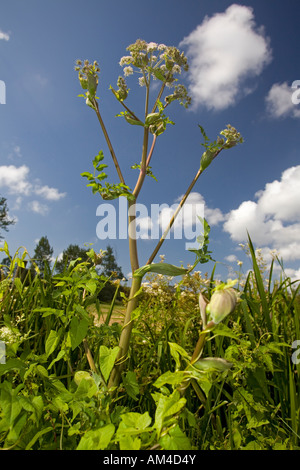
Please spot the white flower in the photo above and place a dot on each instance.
(142, 81)
(128, 71)
(152, 46)
(125, 60)
(176, 69)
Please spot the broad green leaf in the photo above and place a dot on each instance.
(52, 342)
(175, 440)
(166, 407)
(134, 421)
(10, 403)
(107, 360)
(78, 331)
(86, 389)
(98, 439)
(160, 268)
(59, 356)
(92, 285)
(178, 352)
(171, 378)
(131, 385)
(212, 363)
(127, 442)
(12, 364)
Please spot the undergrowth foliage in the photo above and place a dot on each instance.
(53, 383)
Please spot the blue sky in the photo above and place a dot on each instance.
(244, 59)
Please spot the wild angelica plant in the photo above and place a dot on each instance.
(150, 61)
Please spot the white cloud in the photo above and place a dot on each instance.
(279, 101)
(4, 36)
(52, 194)
(273, 221)
(16, 152)
(231, 258)
(16, 179)
(213, 216)
(223, 52)
(294, 274)
(36, 206)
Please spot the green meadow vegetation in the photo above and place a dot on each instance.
(62, 343)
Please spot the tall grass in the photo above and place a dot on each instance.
(53, 385)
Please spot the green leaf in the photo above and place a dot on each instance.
(171, 378)
(212, 363)
(87, 388)
(12, 364)
(131, 385)
(159, 75)
(166, 407)
(160, 268)
(175, 440)
(97, 439)
(78, 331)
(37, 436)
(127, 442)
(107, 360)
(177, 352)
(135, 421)
(52, 342)
(10, 403)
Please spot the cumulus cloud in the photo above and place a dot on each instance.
(38, 208)
(224, 51)
(196, 200)
(273, 220)
(4, 36)
(279, 101)
(15, 178)
(52, 194)
(17, 181)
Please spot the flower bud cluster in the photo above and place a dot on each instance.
(88, 78)
(160, 62)
(232, 136)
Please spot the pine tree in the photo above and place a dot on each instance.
(43, 253)
(5, 221)
(110, 266)
(71, 253)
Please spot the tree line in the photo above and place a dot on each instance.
(43, 253)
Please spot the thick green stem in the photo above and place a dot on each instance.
(124, 342)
